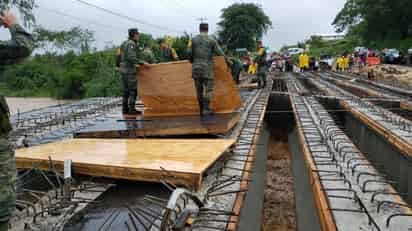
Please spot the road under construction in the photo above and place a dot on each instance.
(315, 151)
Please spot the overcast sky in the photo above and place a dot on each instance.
(293, 20)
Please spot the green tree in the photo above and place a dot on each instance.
(242, 25)
(52, 41)
(25, 8)
(376, 20)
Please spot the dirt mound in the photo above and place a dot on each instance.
(400, 76)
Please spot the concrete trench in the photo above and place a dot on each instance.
(389, 161)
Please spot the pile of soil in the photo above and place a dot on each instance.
(392, 74)
(279, 206)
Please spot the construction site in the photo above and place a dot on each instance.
(220, 126)
(313, 151)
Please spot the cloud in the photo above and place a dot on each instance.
(293, 20)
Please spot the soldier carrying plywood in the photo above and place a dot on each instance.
(203, 49)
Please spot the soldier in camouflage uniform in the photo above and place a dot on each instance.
(129, 60)
(20, 46)
(204, 47)
(167, 54)
(262, 66)
(236, 68)
(147, 55)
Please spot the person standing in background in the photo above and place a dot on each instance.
(167, 54)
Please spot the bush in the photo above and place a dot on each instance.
(65, 76)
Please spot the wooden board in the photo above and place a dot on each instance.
(167, 89)
(132, 159)
(134, 127)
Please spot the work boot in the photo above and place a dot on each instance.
(132, 103)
(133, 111)
(207, 110)
(201, 108)
(125, 106)
(208, 115)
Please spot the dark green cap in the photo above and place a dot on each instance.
(204, 26)
(133, 31)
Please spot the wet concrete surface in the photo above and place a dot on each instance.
(111, 207)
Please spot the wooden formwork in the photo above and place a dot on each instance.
(132, 159)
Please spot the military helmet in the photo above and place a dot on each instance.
(204, 26)
(133, 31)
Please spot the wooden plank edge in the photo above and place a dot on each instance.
(193, 180)
(159, 132)
(326, 218)
(402, 145)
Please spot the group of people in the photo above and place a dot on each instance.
(128, 56)
(345, 63)
(202, 49)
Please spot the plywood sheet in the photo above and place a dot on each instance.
(133, 127)
(132, 159)
(168, 89)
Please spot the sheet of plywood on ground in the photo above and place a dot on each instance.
(132, 127)
(402, 145)
(167, 89)
(327, 220)
(132, 159)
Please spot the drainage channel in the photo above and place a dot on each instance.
(279, 213)
(349, 192)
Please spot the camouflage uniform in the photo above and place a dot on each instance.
(236, 68)
(18, 47)
(148, 56)
(128, 61)
(204, 47)
(166, 55)
(262, 69)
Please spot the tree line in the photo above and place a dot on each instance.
(378, 24)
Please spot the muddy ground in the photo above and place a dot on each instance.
(279, 206)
